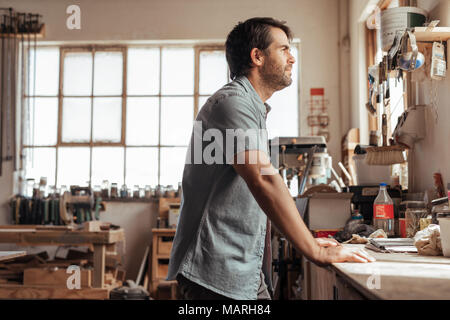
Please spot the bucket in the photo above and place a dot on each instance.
(368, 174)
(399, 19)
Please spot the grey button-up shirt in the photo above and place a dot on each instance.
(219, 242)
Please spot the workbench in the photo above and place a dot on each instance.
(394, 276)
(33, 235)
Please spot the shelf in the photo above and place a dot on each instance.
(39, 35)
(435, 34)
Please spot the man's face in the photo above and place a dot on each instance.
(278, 61)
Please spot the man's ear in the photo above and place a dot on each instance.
(257, 57)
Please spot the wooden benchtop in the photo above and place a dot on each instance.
(401, 276)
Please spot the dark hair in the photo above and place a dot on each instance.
(253, 33)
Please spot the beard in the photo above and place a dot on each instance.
(275, 76)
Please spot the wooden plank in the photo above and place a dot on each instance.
(435, 34)
(99, 266)
(8, 255)
(8, 291)
(47, 276)
(61, 237)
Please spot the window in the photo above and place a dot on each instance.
(125, 113)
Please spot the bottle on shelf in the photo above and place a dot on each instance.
(383, 211)
(114, 190)
(124, 191)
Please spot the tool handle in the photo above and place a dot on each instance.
(384, 129)
(349, 177)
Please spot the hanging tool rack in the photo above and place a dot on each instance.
(16, 28)
(318, 118)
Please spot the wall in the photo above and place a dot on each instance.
(433, 153)
(315, 23)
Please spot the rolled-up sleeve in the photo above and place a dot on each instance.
(239, 122)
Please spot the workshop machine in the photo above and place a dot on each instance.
(301, 160)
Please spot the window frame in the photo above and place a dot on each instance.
(198, 48)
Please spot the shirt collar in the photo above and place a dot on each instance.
(264, 107)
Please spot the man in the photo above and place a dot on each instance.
(221, 235)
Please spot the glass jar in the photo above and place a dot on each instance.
(43, 187)
(36, 192)
(52, 191)
(148, 192)
(159, 191)
(63, 189)
(124, 191)
(114, 190)
(136, 191)
(414, 212)
(97, 191)
(105, 189)
(169, 192)
(29, 187)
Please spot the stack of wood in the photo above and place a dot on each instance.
(37, 269)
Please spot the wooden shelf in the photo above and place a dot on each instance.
(39, 35)
(435, 34)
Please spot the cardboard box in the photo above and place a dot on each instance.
(328, 210)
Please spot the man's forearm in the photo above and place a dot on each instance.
(275, 200)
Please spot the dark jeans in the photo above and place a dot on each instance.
(192, 291)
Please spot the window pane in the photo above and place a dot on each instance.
(201, 102)
(172, 165)
(107, 125)
(47, 72)
(73, 166)
(176, 120)
(76, 123)
(396, 106)
(43, 117)
(108, 73)
(142, 166)
(283, 118)
(107, 164)
(143, 71)
(77, 79)
(213, 71)
(177, 71)
(142, 121)
(40, 162)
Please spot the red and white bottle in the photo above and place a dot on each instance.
(383, 211)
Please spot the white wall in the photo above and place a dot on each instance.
(433, 153)
(358, 113)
